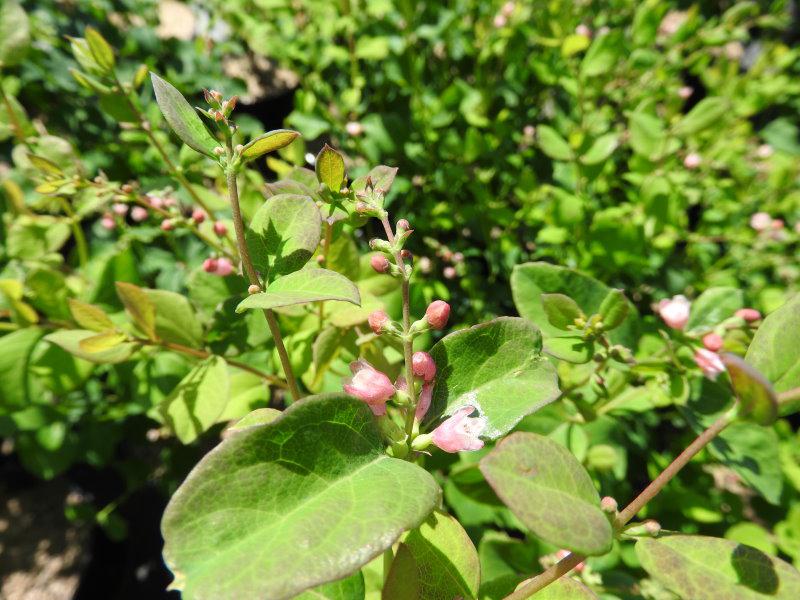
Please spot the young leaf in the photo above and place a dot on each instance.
(102, 342)
(283, 234)
(496, 367)
(70, 340)
(601, 149)
(302, 287)
(197, 401)
(547, 489)
(705, 113)
(694, 566)
(614, 309)
(402, 583)
(183, 119)
(45, 165)
(101, 50)
(561, 310)
(552, 144)
(308, 499)
(381, 176)
(269, 142)
(89, 316)
(756, 396)
(330, 168)
(602, 55)
(712, 307)
(139, 307)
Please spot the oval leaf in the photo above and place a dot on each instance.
(283, 234)
(330, 168)
(712, 307)
(176, 320)
(547, 489)
(496, 367)
(696, 566)
(269, 142)
(552, 144)
(70, 340)
(601, 149)
(183, 119)
(775, 349)
(302, 287)
(101, 50)
(705, 113)
(756, 396)
(304, 500)
(89, 316)
(139, 307)
(561, 310)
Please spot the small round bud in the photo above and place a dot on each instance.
(224, 267)
(379, 263)
(220, 228)
(120, 209)
(423, 366)
(321, 259)
(748, 314)
(405, 254)
(108, 222)
(685, 92)
(692, 160)
(437, 314)
(403, 224)
(239, 149)
(354, 128)
(583, 30)
(608, 504)
(458, 257)
(378, 320)
(126, 188)
(652, 527)
(219, 150)
(713, 341)
(170, 202)
(198, 215)
(777, 224)
(449, 273)
(139, 213)
(155, 201)
(167, 225)
(253, 289)
(210, 265)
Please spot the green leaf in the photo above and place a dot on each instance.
(530, 280)
(756, 397)
(552, 144)
(197, 401)
(16, 349)
(139, 307)
(269, 142)
(89, 316)
(102, 342)
(349, 588)
(260, 416)
(14, 33)
(283, 234)
(102, 52)
(302, 287)
(176, 320)
(183, 119)
(775, 349)
(330, 168)
(496, 367)
(601, 149)
(712, 307)
(694, 566)
(441, 564)
(709, 111)
(602, 55)
(547, 489)
(304, 500)
(565, 588)
(573, 44)
(646, 134)
(752, 451)
(70, 340)
(381, 176)
(614, 309)
(561, 310)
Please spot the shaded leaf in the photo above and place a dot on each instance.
(712, 307)
(14, 33)
(775, 349)
(176, 320)
(349, 588)
(756, 397)
(601, 149)
(139, 307)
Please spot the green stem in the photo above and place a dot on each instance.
(252, 275)
(326, 248)
(569, 562)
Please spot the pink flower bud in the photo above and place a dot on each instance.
(748, 314)
(354, 128)
(500, 20)
(378, 319)
(120, 209)
(379, 263)
(139, 213)
(608, 504)
(685, 92)
(253, 289)
(220, 228)
(709, 362)
(437, 314)
(528, 131)
(777, 224)
(423, 366)
(370, 385)
(108, 222)
(362, 207)
(170, 202)
(224, 267)
(675, 312)
(405, 254)
(761, 221)
(583, 30)
(424, 401)
(449, 272)
(167, 225)
(712, 341)
(764, 151)
(403, 224)
(210, 265)
(508, 8)
(460, 431)
(692, 160)
(155, 201)
(198, 215)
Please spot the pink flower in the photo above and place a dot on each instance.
(675, 311)
(437, 314)
(155, 201)
(354, 128)
(460, 431)
(500, 20)
(777, 224)
(449, 272)
(424, 401)
(210, 265)
(198, 215)
(685, 92)
(423, 366)
(107, 222)
(167, 225)
(709, 362)
(764, 151)
(224, 267)
(379, 263)
(692, 160)
(139, 213)
(370, 385)
(712, 341)
(583, 30)
(748, 314)
(220, 229)
(761, 221)
(120, 208)
(378, 319)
